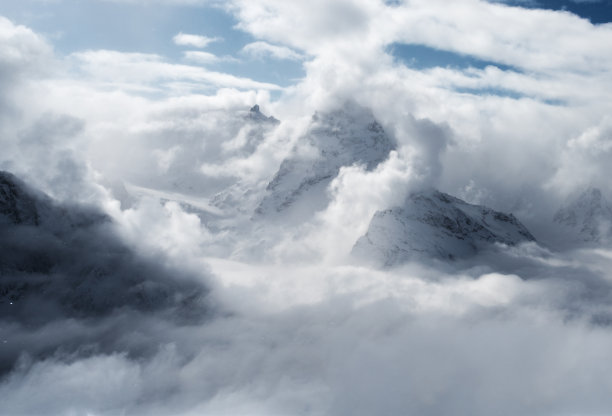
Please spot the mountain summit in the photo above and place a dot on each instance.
(344, 137)
(256, 115)
(589, 217)
(436, 225)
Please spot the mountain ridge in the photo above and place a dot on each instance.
(432, 224)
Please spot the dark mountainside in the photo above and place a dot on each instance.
(64, 263)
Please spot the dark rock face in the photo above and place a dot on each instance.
(432, 224)
(17, 206)
(69, 256)
(61, 263)
(256, 115)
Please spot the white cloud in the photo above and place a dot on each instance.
(198, 41)
(584, 159)
(137, 69)
(554, 48)
(405, 344)
(262, 49)
(471, 27)
(207, 58)
(20, 47)
(201, 57)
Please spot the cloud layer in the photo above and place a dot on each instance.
(176, 163)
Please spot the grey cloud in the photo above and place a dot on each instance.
(336, 358)
(584, 158)
(48, 154)
(23, 55)
(185, 150)
(431, 140)
(476, 352)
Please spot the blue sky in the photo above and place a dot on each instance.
(74, 26)
(597, 11)
(422, 57)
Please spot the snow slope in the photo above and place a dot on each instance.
(347, 136)
(432, 224)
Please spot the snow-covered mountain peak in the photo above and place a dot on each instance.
(256, 115)
(342, 137)
(432, 224)
(589, 216)
(350, 134)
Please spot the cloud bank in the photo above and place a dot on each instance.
(175, 163)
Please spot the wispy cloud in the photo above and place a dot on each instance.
(112, 67)
(206, 58)
(260, 50)
(198, 41)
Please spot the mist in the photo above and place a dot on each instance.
(176, 237)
